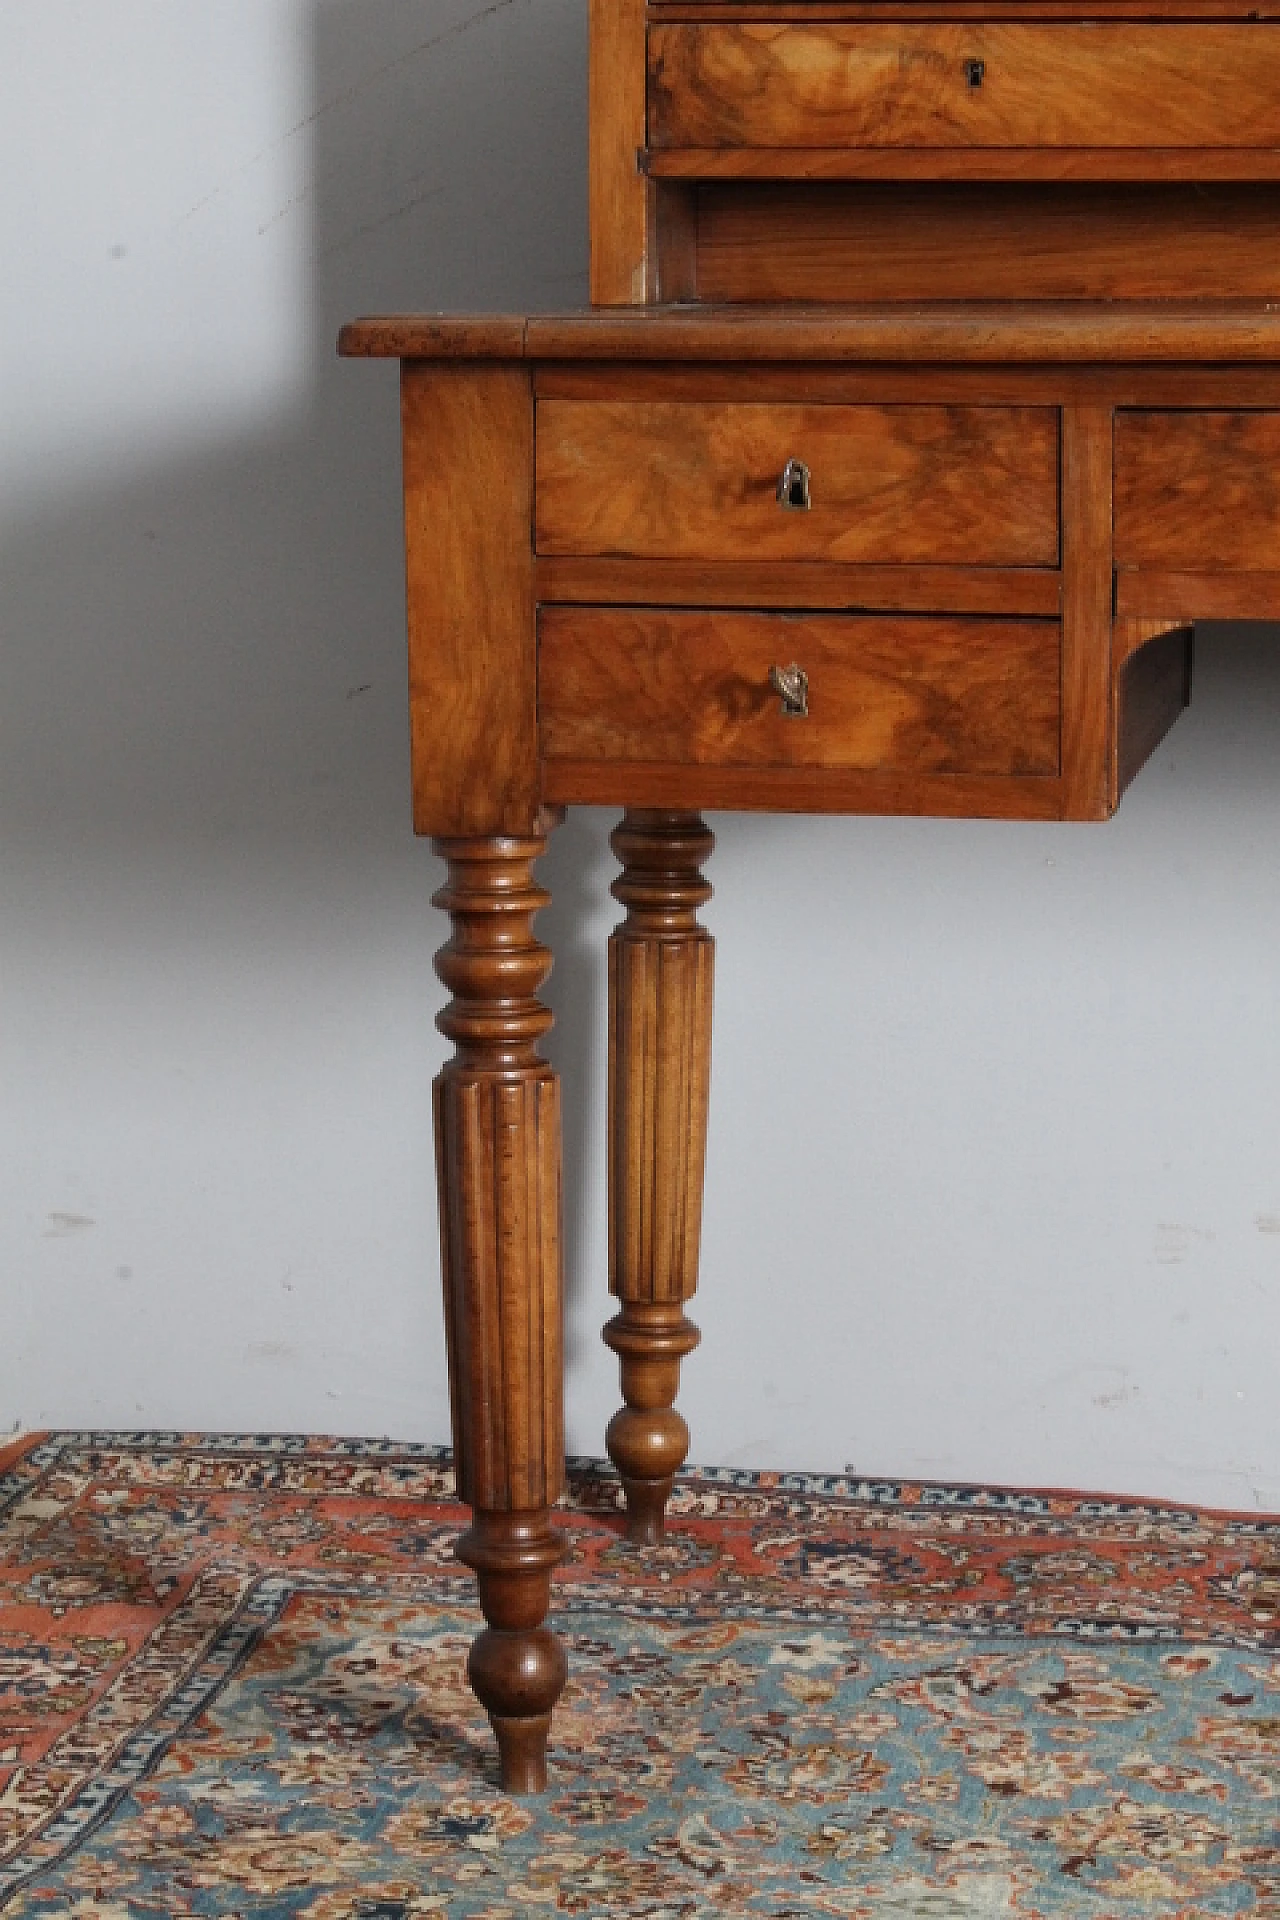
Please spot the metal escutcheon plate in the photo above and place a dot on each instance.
(791, 684)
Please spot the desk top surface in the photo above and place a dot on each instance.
(944, 332)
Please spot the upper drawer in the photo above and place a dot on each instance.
(968, 486)
(1076, 84)
(1198, 491)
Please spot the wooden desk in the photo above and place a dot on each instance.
(934, 560)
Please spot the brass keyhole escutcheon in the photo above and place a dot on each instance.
(791, 684)
(793, 487)
(975, 72)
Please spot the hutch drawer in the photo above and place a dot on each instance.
(903, 694)
(736, 481)
(964, 84)
(1198, 490)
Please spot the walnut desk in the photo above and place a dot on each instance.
(887, 559)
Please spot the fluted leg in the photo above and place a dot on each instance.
(660, 976)
(497, 1111)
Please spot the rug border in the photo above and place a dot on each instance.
(881, 1490)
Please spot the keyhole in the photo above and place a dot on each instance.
(793, 487)
(974, 70)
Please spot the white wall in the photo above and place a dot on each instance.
(994, 1189)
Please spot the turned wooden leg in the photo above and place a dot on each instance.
(497, 1113)
(660, 973)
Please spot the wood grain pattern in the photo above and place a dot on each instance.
(799, 584)
(1167, 334)
(642, 230)
(913, 382)
(497, 1114)
(623, 256)
(1158, 164)
(1152, 687)
(674, 222)
(1021, 243)
(660, 987)
(1129, 635)
(1068, 84)
(901, 693)
(689, 481)
(1197, 596)
(947, 796)
(1198, 491)
(468, 462)
(437, 336)
(1086, 615)
(828, 12)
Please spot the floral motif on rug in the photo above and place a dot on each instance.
(232, 1685)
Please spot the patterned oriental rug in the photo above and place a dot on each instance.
(231, 1684)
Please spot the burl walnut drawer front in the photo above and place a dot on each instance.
(879, 693)
(1198, 491)
(974, 486)
(1075, 84)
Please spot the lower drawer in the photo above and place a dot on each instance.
(901, 693)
